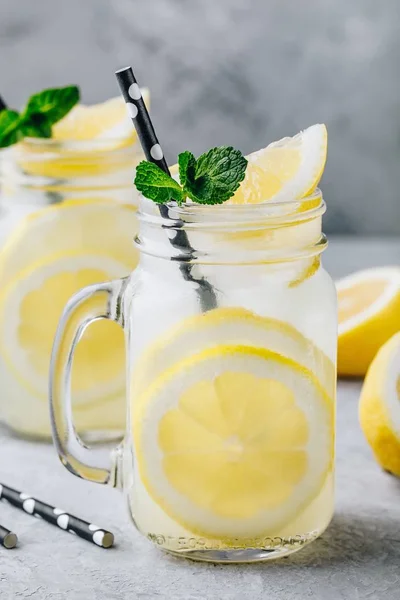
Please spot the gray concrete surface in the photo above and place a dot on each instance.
(243, 72)
(357, 558)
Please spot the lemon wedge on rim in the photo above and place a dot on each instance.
(369, 314)
(288, 169)
(106, 121)
(88, 137)
(234, 441)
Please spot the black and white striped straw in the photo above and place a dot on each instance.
(154, 153)
(141, 119)
(57, 516)
(8, 539)
(3, 105)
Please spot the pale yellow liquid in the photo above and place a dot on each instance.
(25, 349)
(165, 533)
(310, 519)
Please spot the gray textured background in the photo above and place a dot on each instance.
(236, 71)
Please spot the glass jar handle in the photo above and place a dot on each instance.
(99, 301)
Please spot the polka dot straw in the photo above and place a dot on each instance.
(3, 105)
(154, 153)
(57, 516)
(140, 117)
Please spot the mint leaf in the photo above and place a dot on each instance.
(36, 125)
(53, 103)
(216, 176)
(9, 128)
(212, 179)
(187, 167)
(157, 185)
(42, 111)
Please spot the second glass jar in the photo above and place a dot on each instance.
(67, 219)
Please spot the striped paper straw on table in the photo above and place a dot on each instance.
(8, 539)
(57, 516)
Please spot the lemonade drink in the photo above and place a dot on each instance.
(216, 462)
(68, 220)
(229, 449)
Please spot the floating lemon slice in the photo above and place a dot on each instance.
(106, 121)
(369, 314)
(309, 270)
(380, 406)
(93, 223)
(30, 309)
(226, 326)
(235, 441)
(285, 170)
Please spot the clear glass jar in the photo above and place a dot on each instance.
(231, 329)
(67, 219)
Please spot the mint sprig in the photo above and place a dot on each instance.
(52, 104)
(42, 111)
(213, 178)
(157, 185)
(9, 128)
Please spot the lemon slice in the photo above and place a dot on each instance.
(93, 223)
(380, 406)
(285, 170)
(106, 121)
(30, 309)
(309, 270)
(231, 325)
(369, 314)
(235, 441)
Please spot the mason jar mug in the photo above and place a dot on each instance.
(230, 328)
(67, 219)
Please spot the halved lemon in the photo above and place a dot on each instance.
(97, 224)
(379, 408)
(226, 326)
(106, 121)
(30, 309)
(235, 441)
(288, 169)
(369, 314)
